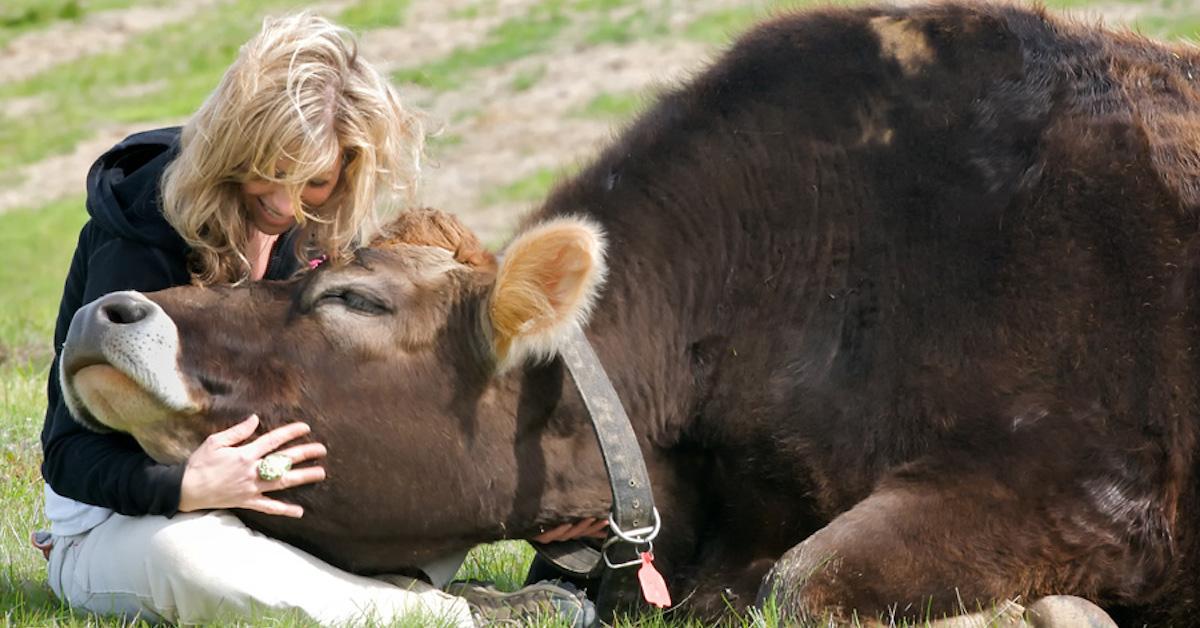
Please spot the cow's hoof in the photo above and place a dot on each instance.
(1067, 611)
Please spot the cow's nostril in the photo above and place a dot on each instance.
(124, 311)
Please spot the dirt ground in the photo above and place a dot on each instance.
(500, 134)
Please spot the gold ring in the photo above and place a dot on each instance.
(272, 467)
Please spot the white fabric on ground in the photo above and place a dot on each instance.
(201, 567)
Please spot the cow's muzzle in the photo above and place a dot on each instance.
(119, 370)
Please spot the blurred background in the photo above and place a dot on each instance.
(521, 90)
(519, 93)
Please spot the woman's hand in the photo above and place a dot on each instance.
(584, 528)
(223, 473)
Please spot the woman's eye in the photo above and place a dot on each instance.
(355, 301)
(319, 183)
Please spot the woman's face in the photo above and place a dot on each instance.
(269, 205)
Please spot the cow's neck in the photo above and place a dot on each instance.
(693, 259)
(637, 333)
(662, 311)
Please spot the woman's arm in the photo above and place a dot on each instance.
(108, 470)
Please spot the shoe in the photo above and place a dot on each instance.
(541, 601)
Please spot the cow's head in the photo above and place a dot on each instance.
(398, 354)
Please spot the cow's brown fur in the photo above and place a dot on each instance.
(900, 302)
(433, 228)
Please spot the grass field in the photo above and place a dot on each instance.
(160, 75)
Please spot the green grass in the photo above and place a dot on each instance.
(613, 106)
(505, 563)
(187, 59)
(532, 33)
(513, 39)
(22, 404)
(24, 15)
(721, 26)
(1162, 19)
(444, 140)
(37, 245)
(528, 188)
(602, 5)
(1071, 4)
(1170, 5)
(21, 16)
(368, 14)
(475, 9)
(1184, 26)
(641, 24)
(527, 78)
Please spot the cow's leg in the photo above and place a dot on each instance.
(718, 584)
(958, 543)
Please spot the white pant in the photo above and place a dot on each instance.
(201, 567)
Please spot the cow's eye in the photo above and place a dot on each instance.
(353, 300)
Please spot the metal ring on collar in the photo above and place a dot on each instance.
(629, 563)
(637, 536)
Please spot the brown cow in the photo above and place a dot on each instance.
(899, 301)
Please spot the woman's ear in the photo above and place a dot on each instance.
(548, 279)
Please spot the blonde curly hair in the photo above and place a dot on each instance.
(297, 91)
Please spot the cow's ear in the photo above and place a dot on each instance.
(548, 278)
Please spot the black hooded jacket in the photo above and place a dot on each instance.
(126, 245)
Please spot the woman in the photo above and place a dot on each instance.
(286, 160)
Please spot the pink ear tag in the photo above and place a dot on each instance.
(654, 588)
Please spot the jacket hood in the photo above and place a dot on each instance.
(123, 191)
